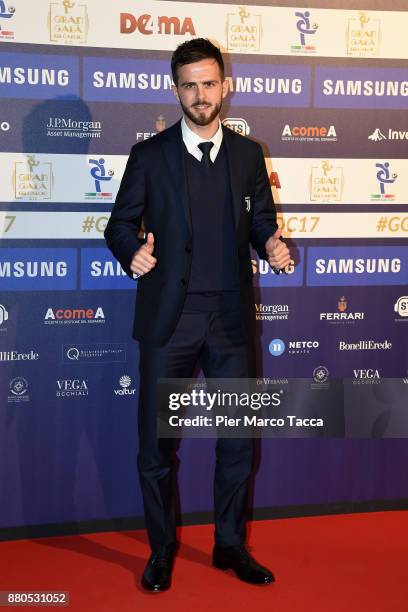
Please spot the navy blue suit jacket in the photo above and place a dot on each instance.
(154, 188)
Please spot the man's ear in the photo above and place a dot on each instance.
(225, 88)
(174, 90)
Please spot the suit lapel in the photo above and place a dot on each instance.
(234, 164)
(173, 152)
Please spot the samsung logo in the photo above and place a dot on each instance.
(364, 88)
(106, 268)
(131, 80)
(265, 85)
(382, 265)
(33, 269)
(34, 76)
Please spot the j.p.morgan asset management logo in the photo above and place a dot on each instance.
(271, 312)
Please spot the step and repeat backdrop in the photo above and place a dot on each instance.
(325, 92)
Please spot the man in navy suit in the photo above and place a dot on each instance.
(204, 196)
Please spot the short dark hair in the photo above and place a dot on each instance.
(193, 51)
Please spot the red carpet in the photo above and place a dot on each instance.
(330, 563)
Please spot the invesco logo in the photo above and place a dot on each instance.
(4, 126)
(276, 347)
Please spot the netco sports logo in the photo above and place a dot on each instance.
(295, 347)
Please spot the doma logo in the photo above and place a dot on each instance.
(146, 24)
(124, 382)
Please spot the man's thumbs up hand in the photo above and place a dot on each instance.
(277, 251)
(143, 260)
(149, 244)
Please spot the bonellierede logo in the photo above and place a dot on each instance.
(16, 356)
(365, 345)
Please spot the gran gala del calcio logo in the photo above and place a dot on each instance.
(68, 22)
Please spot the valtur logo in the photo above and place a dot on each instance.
(124, 382)
(276, 347)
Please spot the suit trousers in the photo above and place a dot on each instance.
(209, 333)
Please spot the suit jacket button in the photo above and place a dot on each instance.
(183, 282)
(188, 250)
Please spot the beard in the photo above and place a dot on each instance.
(201, 118)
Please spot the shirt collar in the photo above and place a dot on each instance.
(192, 140)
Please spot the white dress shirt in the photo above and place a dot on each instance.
(192, 140)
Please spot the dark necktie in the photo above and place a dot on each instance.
(206, 147)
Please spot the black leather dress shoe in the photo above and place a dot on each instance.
(157, 574)
(244, 565)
